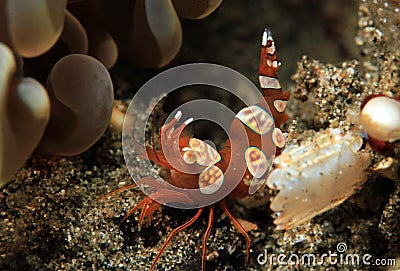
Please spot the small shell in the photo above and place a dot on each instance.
(380, 117)
(316, 176)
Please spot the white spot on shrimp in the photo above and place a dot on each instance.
(190, 156)
(211, 180)
(280, 105)
(206, 154)
(269, 82)
(256, 118)
(256, 161)
(278, 138)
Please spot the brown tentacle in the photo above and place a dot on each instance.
(117, 191)
(240, 229)
(143, 213)
(131, 211)
(150, 210)
(147, 211)
(205, 238)
(173, 233)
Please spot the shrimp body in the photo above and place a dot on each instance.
(254, 139)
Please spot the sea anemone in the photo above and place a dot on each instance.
(81, 95)
(25, 111)
(149, 33)
(68, 46)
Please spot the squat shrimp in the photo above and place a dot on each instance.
(257, 120)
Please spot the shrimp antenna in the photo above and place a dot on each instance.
(173, 233)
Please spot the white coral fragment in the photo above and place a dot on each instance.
(317, 176)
